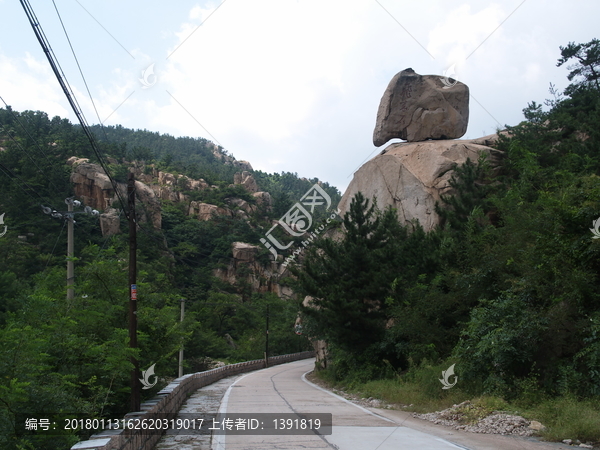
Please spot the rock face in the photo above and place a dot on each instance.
(259, 277)
(411, 176)
(244, 252)
(93, 187)
(206, 211)
(244, 165)
(110, 223)
(246, 179)
(263, 199)
(91, 184)
(419, 107)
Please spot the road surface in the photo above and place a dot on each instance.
(283, 389)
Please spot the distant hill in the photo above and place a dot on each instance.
(201, 158)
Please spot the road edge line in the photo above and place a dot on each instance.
(343, 399)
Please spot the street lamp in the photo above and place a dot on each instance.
(69, 217)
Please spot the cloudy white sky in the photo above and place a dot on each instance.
(289, 85)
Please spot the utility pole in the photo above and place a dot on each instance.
(70, 248)
(181, 348)
(135, 382)
(69, 216)
(267, 340)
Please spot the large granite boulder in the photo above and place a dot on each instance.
(411, 176)
(419, 107)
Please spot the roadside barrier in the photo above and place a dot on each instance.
(168, 402)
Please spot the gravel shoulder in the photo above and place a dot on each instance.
(461, 437)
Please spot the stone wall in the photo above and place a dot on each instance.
(168, 402)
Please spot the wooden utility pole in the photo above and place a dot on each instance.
(267, 340)
(182, 301)
(70, 249)
(135, 382)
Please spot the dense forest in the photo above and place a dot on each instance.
(73, 355)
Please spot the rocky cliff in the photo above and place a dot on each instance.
(411, 176)
(244, 267)
(93, 187)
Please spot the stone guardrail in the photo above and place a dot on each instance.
(168, 402)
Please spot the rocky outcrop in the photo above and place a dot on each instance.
(242, 205)
(172, 187)
(246, 179)
(229, 160)
(110, 222)
(263, 199)
(91, 184)
(259, 277)
(411, 176)
(419, 107)
(147, 205)
(243, 165)
(244, 252)
(93, 187)
(206, 211)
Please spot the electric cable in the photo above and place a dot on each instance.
(79, 67)
(60, 76)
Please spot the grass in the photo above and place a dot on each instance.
(569, 418)
(564, 417)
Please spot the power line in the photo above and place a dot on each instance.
(79, 67)
(60, 76)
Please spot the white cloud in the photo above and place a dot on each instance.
(27, 83)
(255, 67)
(291, 85)
(463, 31)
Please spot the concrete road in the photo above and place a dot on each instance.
(284, 390)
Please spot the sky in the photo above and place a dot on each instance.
(288, 85)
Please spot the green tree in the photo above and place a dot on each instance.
(586, 67)
(349, 279)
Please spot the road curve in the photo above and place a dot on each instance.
(284, 389)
